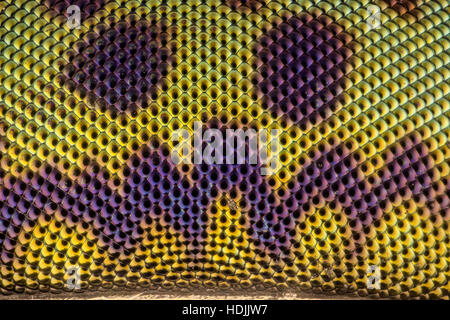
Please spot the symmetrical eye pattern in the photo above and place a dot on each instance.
(87, 180)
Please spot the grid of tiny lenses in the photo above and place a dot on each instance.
(358, 91)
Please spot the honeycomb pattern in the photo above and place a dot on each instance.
(301, 68)
(121, 69)
(86, 120)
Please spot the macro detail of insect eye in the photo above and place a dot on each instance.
(250, 147)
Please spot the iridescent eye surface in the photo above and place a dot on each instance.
(349, 98)
(119, 68)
